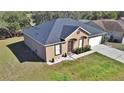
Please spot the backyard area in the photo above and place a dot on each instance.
(18, 62)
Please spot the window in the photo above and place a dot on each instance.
(57, 49)
(80, 43)
(78, 32)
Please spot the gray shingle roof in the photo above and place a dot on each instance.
(55, 30)
(67, 30)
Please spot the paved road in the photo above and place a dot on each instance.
(110, 52)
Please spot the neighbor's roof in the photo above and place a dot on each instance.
(110, 25)
(55, 30)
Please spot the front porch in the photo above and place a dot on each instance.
(71, 44)
(68, 50)
(75, 43)
(70, 56)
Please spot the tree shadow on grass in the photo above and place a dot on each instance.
(23, 53)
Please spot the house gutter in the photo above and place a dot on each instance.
(55, 43)
(97, 35)
(40, 42)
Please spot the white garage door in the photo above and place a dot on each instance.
(95, 41)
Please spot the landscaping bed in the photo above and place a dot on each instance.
(82, 50)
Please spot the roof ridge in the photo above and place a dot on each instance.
(121, 24)
(51, 30)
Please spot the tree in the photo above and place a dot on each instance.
(13, 22)
(110, 15)
(43, 16)
(16, 20)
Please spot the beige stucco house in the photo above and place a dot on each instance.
(57, 37)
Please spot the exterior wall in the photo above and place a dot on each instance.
(50, 50)
(78, 37)
(64, 48)
(122, 41)
(50, 53)
(36, 47)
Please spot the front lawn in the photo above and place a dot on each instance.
(116, 45)
(17, 62)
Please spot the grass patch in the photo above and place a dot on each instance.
(59, 76)
(116, 45)
(91, 67)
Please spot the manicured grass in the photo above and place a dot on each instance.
(14, 66)
(116, 45)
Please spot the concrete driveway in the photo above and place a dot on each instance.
(110, 52)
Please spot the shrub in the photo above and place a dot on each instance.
(52, 60)
(64, 55)
(78, 50)
(18, 34)
(86, 48)
(81, 50)
(111, 38)
(115, 40)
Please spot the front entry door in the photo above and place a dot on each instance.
(70, 46)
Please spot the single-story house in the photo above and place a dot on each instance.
(114, 29)
(54, 38)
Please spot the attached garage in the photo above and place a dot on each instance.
(95, 41)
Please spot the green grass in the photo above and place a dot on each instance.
(116, 45)
(91, 67)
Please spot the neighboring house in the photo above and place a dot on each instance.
(114, 28)
(56, 37)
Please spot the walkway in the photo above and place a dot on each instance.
(110, 52)
(71, 57)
